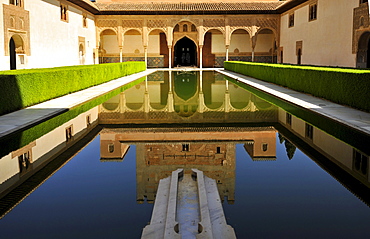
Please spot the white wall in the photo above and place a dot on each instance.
(265, 42)
(154, 45)
(132, 43)
(240, 41)
(327, 40)
(55, 42)
(218, 43)
(110, 44)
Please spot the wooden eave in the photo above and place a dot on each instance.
(87, 5)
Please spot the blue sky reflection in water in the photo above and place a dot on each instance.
(285, 198)
(292, 199)
(86, 198)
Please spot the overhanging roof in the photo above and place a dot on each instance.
(180, 8)
(126, 7)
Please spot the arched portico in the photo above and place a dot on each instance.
(158, 53)
(214, 48)
(363, 53)
(240, 48)
(108, 47)
(265, 49)
(133, 47)
(216, 38)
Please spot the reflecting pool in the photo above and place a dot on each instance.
(281, 172)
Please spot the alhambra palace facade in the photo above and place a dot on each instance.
(168, 33)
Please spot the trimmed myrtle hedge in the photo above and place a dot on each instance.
(22, 138)
(340, 85)
(23, 88)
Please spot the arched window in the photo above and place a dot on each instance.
(177, 28)
(193, 28)
(185, 28)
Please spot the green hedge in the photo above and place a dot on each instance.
(23, 88)
(340, 85)
(22, 138)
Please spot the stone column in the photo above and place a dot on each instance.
(120, 54)
(227, 98)
(170, 57)
(146, 97)
(254, 42)
(170, 101)
(146, 55)
(200, 56)
(227, 53)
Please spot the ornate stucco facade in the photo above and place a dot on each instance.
(167, 33)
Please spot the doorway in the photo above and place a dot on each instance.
(299, 57)
(363, 53)
(13, 61)
(185, 53)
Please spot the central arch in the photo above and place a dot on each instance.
(185, 53)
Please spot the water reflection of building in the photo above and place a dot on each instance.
(186, 97)
(159, 151)
(19, 165)
(344, 162)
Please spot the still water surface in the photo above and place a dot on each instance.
(254, 150)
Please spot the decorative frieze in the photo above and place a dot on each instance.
(132, 23)
(210, 23)
(267, 23)
(240, 22)
(107, 23)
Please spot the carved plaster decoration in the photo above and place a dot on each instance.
(212, 23)
(361, 24)
(132, 23)
(267, 23)
(16, 23)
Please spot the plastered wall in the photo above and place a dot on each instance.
(55, 42)
(327, 40)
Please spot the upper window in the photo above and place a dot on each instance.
(18, 3)
(291, 20)
(288, 119)
(63, 12)
(309, 131)
(363, 1)
(84, 20)
(313, 12)
(193, 28)
(185, 28)
(177, 28)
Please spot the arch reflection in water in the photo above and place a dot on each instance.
(186, 97)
